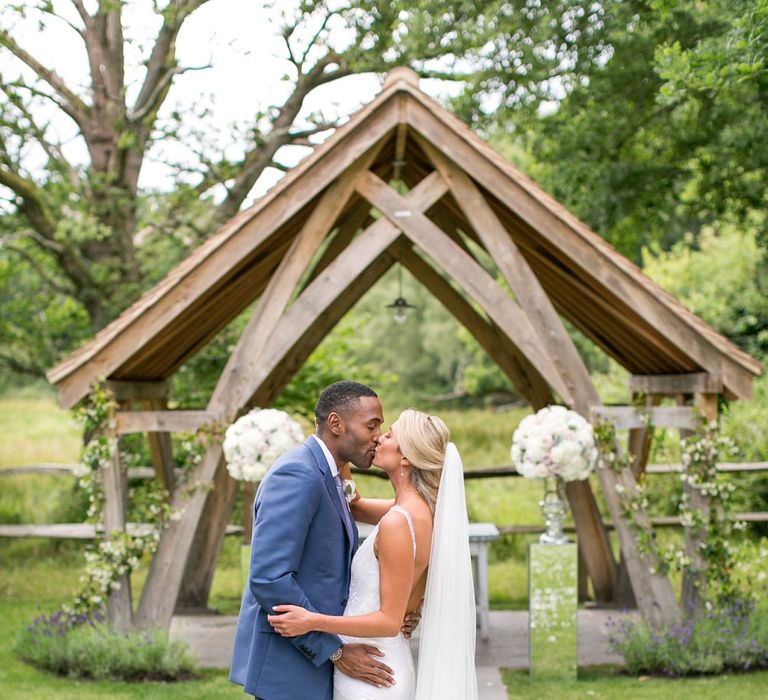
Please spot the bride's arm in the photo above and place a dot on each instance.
(395, 581)
(370, 510)
(367, 510)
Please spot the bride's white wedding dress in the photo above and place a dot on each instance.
(364, 599)
(447, 639)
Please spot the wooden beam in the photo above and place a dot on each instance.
(629, 417)
(639, 440)
(169, 564)
(467, 272)
(232, 384)
(114, 485)
(161, 449)
(400, 141)
(670, 384)
(353, 221)
(523, 375)
(206, 545)
(137, 391)
(532, 298)
(272, 385)
(163, 421)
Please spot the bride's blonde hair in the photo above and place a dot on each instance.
(423, 440)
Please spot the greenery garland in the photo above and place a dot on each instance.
(699, 456)
(119, 553)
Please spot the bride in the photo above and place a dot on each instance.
(418, 549)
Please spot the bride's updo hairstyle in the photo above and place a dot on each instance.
(423, 440)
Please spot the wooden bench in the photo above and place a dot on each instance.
(480, 536)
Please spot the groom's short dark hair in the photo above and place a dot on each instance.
(338, 396)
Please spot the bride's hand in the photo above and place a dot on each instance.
(293, 621)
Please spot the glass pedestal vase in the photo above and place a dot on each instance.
(554, 507)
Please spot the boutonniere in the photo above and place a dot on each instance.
(350, 489)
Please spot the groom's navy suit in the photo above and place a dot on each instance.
(301, 555)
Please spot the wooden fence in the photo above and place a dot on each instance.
(88, 531)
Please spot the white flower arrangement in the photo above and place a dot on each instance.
(552, 443)
(254, 441)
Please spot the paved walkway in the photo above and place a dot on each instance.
(210, 636)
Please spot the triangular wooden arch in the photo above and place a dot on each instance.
(552, 262)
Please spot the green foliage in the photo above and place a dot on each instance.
(727, 638)
(722, 276)
(658, 138)
(91, 650)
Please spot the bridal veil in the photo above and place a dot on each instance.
(447, 630)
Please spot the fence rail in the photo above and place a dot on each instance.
(479, 473)
(86, 531)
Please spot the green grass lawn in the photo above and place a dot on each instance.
(609, 684)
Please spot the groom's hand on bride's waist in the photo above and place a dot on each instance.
(357, 661)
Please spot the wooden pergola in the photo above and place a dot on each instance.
(341, 200)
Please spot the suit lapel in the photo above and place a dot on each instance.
(333, 492)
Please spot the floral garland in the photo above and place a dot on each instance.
(699, 456)
(121, 552)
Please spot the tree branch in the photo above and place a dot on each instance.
(156, 98)
(317, 34)
(32, 203)
(53, 151)
(80, 7)
(72, 105)
(301, 138)
(160, 64)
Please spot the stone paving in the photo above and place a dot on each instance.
(210, 636)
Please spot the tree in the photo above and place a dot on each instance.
(82, 235)
(659, 139)
(77, 228)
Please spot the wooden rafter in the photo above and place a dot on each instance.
(505, 313)
(510, 360)
(234, 381)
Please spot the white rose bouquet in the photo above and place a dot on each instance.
(554, 443)
(254, 441)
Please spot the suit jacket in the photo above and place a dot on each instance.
(302, 555)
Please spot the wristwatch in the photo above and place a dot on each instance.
(336, 654)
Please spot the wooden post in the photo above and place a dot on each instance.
(694, 579)
(114, 483)
(161, 449)
(639, 447)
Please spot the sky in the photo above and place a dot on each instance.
(237, 38)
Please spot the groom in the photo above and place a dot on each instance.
(304, 539)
